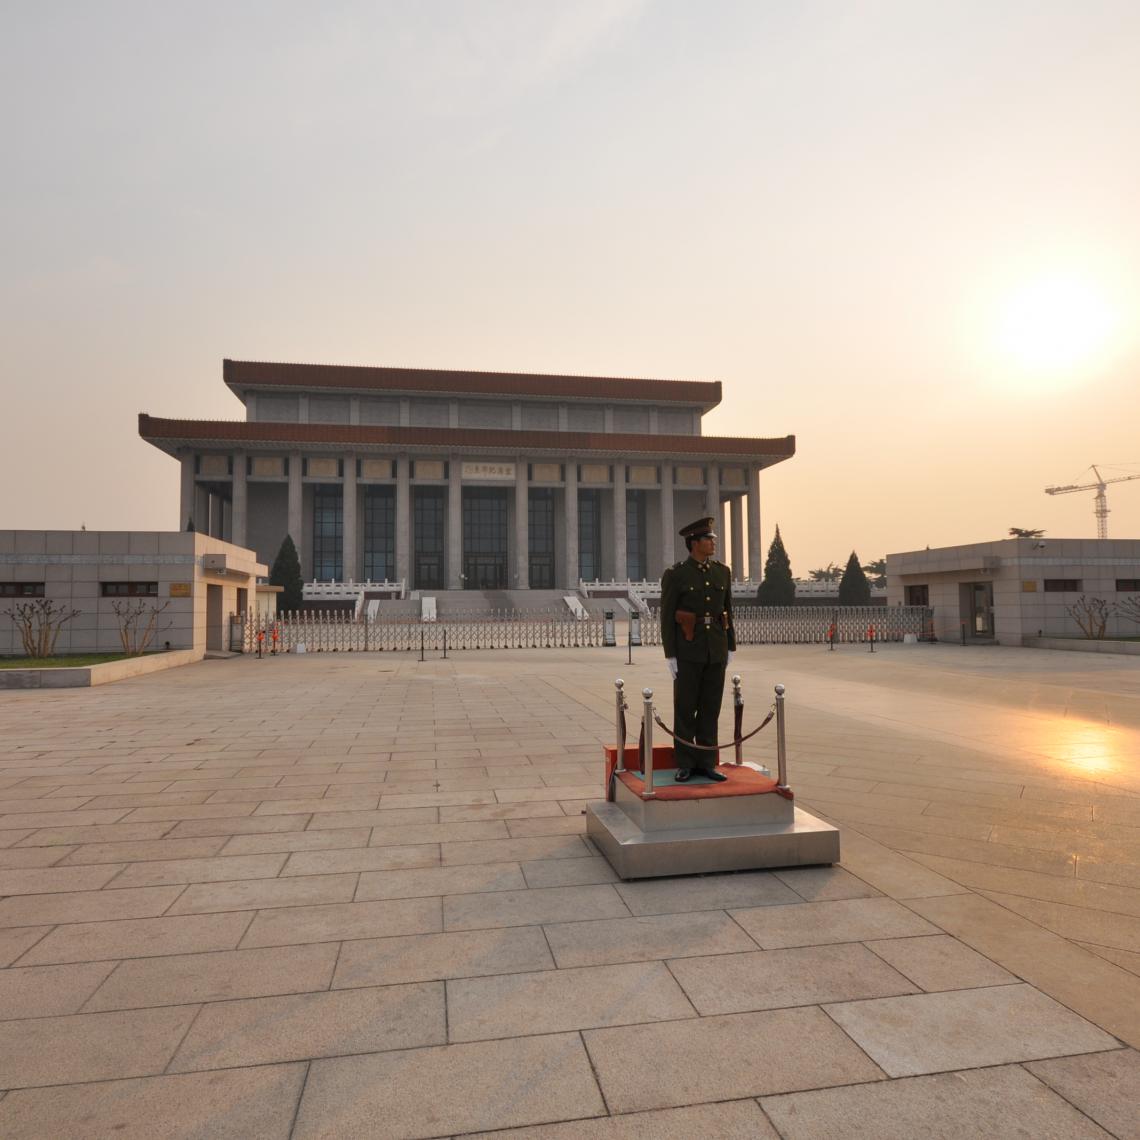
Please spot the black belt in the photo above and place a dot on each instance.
(708, 619)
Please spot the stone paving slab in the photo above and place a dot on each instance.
(978, 1104)
(937, 962)
(90, 1046)
(258, 894)
(513, 1005)
(86, 906)
(845, 920)
(138, 938)
(771, 979)
(49, 991)
(645, 938)
(426, 957)
(724, 1058)
(930, 1033)
(182, 979)
(437, 881)
(706, 892)
(729, 1120)
(532, 907)
(295, 925)
(1106, 1086)
(260, 1031)
(474, 1088)
(232, 1105)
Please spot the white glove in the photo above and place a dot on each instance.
(731, 655)
(671, 665)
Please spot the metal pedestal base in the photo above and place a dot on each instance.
(802, 840)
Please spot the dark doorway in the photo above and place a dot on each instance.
(485, 538)
(540, 532)
(429, 525)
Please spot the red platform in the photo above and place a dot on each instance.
(742, 781)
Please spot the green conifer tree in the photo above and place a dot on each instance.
(854, 589)
(778, 587)
(286, 572)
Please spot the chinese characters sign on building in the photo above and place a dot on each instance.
(488, 471)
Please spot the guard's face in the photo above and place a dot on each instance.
(704, 548)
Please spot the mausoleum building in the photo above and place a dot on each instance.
(479, 480)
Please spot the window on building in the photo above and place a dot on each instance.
(917, 595)
(21, 589)
(129, 589)
(380, 533)
(429, 528)
(328, 533)
(540, 534)
(1062, 585)
(1128, 585)
(589, 535)
(635, 558)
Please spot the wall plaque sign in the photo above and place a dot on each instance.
(486, 470)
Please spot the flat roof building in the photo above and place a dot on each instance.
(457, 479)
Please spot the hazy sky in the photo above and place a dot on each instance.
(907, 232)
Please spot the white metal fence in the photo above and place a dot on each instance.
(333, 632)
(809, 625)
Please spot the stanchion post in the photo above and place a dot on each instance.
(445, 643)
(619, 724)
(738, 710)
(421, 644)
(781, 741)
(647, 745)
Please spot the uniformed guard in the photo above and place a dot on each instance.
(697, 634)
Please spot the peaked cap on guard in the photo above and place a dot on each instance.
(702, 528)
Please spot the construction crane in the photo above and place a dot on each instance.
(1100, 500)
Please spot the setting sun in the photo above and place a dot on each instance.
(1054, 324)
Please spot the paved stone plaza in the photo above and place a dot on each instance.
(350, 896)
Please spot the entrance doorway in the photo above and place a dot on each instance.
(215, 627)
(484, 538)
(977, 607)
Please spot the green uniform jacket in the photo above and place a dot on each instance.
(708, 592)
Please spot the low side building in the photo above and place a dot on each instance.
(198, 579)
(1006, 591)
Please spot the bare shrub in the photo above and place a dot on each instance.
(39, 623)
(1129, 608)
(138, 624)
(1092, 615)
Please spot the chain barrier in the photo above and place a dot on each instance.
(734, 743)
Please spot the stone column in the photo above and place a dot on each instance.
(455, 523)
(350, 558)
(737, 507)
(239, 511)
(295, 505)
(621, 537)
(186, 503)
(522, 524)
(570, 522)
(201, 509)
(403, 521)
(755, 555)
(668, 526)
(712, 493)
